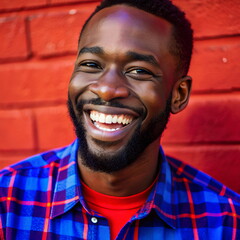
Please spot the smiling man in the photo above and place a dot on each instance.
(114, 182)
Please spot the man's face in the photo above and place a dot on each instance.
(120, 90)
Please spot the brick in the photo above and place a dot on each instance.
(215, 65)
(34, 82)
(16, 130)
(13, 38)
(54, 127)
(20, 4)
(219, 161)
(212, 18)
(71, 1)
(207, 119)
(7, 158)
(57, 33)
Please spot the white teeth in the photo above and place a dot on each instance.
(120, 119)
(96, 117)
(110, 119)
(101, 118)
(106, 129)
(93, 116)
(114, 119)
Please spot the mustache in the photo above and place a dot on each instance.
(100, 102)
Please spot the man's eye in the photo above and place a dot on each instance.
(140, 74)
(140, 71)
(90, 65)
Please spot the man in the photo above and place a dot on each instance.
(114, 182)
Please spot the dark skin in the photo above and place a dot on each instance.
(124, 56)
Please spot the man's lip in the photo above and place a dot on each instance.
(110, 110)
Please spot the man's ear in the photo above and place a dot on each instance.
(180, 94)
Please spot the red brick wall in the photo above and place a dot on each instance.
(37, 52)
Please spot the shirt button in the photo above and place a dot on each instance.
(94, 220)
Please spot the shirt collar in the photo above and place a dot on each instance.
(67, 187)
(162, 199)
(67, 192)
(165, 199)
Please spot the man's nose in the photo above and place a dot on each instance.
(110, 85)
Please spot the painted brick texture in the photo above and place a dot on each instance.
(212, 18)
(37, 53)
(35, 81)
(21, 4)
(56, 33)
(13, 38)
(16, 130)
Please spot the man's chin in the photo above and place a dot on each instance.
(108, 156)
(99, 147)
(103, 161)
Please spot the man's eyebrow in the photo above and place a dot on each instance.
(94, 50)
(134, 56)
(142, 57)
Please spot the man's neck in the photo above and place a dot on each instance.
(128, 181)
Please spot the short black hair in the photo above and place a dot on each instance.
(182, 42)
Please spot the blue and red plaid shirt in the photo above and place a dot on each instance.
(41, 198)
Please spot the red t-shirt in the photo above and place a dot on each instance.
(118, 210)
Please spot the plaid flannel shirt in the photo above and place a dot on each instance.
(41, 199)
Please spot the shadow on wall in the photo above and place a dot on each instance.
(206, 136)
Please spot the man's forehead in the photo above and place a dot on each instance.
(123, 13)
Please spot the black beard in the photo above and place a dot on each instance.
(108, 163)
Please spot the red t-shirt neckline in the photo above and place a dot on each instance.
(118, 210)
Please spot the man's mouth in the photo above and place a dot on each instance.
(110, 122)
